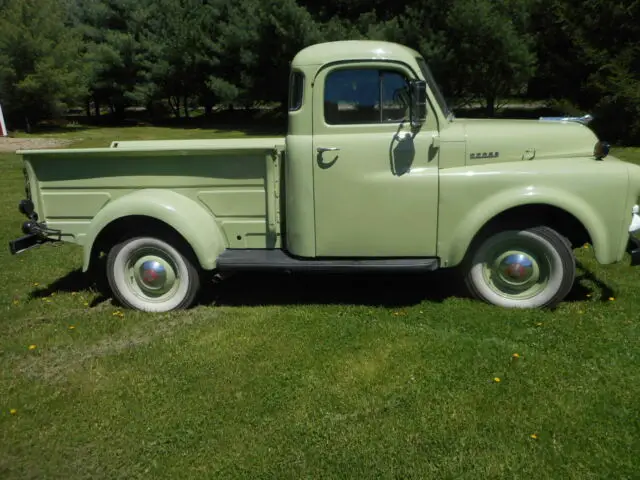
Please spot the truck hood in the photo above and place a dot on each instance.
(490, 140)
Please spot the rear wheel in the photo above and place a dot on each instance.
(152, 274)
(527, 268)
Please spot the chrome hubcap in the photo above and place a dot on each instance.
(151, 274)
(515, 273)
(516, 268)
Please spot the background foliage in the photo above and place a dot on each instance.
(180, 57)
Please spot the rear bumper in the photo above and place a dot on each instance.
(633, 249)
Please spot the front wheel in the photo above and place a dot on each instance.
(150, 274)
(529, 268)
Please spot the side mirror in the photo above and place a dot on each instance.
(418, 109)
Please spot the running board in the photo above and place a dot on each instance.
(234, 260)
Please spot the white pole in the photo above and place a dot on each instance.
(3, 126)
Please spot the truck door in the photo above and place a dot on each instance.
(375, 180)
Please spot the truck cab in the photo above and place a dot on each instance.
(375, 173)
(364, 112)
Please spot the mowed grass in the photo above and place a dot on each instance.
(324, 377)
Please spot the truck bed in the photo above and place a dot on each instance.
(237, 180)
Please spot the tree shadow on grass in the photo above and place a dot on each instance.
(386, 290)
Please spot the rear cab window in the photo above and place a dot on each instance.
(296, 90)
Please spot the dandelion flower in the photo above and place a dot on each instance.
(516, 355)
(13, 411)
(36, 284)
(534, 436)
(72, 327)
(611, 299)
(497, 380)
(32, 347)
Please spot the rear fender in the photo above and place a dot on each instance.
(189, 218)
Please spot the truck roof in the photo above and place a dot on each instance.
(327, 52)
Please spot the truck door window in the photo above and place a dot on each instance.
(364, 96)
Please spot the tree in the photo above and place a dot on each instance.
(182, 50)
(113, 51)
(590, 57)
(478, 50)
(261, 39)
(492, 49)
(40, 68)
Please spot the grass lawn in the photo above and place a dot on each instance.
(286, 377)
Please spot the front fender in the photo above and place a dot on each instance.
(453, 247)
(190, 219)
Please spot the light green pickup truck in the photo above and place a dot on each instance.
(374, 174)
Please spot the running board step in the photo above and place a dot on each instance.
(276, 259)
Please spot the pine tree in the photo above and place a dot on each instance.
(40, 67)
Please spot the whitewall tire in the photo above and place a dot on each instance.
(152, 275)
(530, 268)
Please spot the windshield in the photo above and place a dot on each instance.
(442, 103)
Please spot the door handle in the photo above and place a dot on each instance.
(327, 149)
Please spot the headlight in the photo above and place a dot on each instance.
(601, 150)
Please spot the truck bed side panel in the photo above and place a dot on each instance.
(237, 186)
